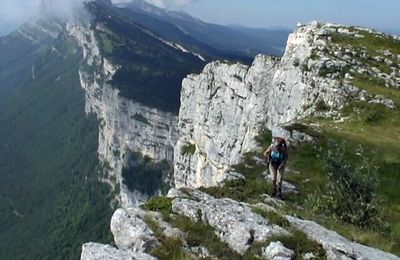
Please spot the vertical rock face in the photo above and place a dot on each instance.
(226, 106)
(123, 124)
(222, 110)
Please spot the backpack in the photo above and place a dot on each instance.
(278, 149)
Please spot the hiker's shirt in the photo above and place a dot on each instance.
(277, 157)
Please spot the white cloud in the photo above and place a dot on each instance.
(169, 3)
(13, 13)
(16, 11)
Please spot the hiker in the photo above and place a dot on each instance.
(276, 155)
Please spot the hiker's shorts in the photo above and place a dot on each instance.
(276, 175)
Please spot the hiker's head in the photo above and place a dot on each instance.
(279, 142)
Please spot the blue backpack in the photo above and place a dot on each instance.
(278, 149)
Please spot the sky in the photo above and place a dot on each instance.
(378, 14)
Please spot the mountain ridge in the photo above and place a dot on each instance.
(224, 110)
(313, 80)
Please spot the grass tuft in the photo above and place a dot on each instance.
(201, 234)
(188, 149)
(160, 204)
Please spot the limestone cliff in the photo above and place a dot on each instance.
(227, 105)
(222, 111)
(124, 125)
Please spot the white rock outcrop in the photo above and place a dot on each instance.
(234, 222)
(94, 251)
(130, 231)
(336, 246)
(277, 251)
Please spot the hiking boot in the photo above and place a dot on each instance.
(273, 193)
(279, 193)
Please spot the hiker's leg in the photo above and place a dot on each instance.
(273, 173)
(280, 174)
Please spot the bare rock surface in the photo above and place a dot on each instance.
(336, 246)
(130, 231)
(234, 222)
(94, 251)
(277, 251)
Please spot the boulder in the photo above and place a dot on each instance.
(277, 251)
(234, 222)
(336, 246)
(130, 231)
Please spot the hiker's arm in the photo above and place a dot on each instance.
(284, 161)
(282, 165)
(267, 152)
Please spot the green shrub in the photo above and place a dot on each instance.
(160, 204)
(297, 240)
(169, 247)
(264, 138)
(116, 153)
(301, 244)
(304, 67)
(321, 106)
(272, 217)
(248, 190)
(188, 149)
(370, 114)
(314, 54)
(350, 191)
(302, 128)
(324, 71)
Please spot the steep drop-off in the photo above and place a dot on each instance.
(51, 199)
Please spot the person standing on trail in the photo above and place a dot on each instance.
(276, 154)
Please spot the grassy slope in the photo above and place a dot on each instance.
(49, 166)
(375, 128)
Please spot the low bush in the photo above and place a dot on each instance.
(321, 106)
(169, 247)
(160, 204)
(350, 192)
(301, 244)
(264, 138)
(188, 149)
(201, 234)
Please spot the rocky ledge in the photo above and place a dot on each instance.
(235, 223)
